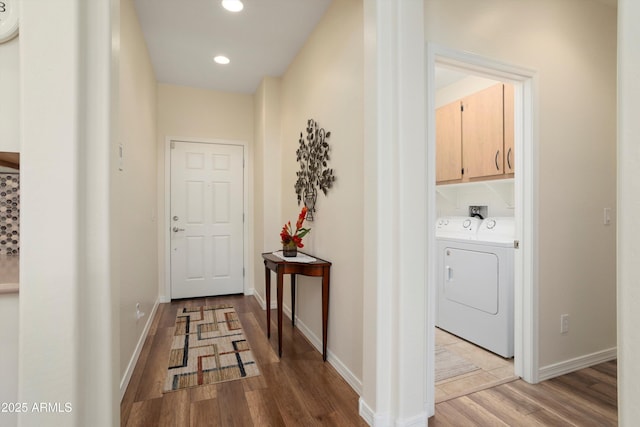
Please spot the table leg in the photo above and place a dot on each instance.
(279, 304)
(267, 291)
(325, 311)
(293, 300)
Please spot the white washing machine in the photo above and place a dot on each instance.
(475, 281)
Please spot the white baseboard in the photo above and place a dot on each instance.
(384, 420)
(354, 382)
(365, 412)
(124, 383)
(371, 418)
(262, 302)
(340, 367)
(571, 365)
(419, 420)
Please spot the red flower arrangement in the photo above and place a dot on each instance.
(293, 239)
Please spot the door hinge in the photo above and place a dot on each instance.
(461, 107)
(173, 145)
(242, 271)
(516, 244)
(462, 171)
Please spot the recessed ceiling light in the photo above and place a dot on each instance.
(232, 5)
(220, 59)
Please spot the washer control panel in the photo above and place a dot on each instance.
(458, 227)
(497, 229)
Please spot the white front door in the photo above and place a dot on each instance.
(206, 223)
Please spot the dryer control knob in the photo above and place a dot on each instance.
(491, 224)
(466, 223)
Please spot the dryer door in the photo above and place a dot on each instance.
(471, 278)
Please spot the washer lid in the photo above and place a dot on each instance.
(457, 227)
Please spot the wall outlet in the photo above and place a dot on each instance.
(606, 220)
(564, 323)
(139, 314)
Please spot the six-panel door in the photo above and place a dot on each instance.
(206, 219)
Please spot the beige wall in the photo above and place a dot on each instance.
(267, 178)
(9, 100)
(198, 114)
(135, 234)
(324, 83)
(572, 45)
(628, 206)
(9, 141)
(9, 354)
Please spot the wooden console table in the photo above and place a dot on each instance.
(318, 268)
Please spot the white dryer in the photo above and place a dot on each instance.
(475, 282)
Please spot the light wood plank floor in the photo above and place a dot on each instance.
(583, 398)
(301, 390)
(492, 370)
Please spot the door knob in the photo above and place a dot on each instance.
(175, 217)
(176, 229)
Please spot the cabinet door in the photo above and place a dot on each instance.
(482, 133)
(509, 130)
(449, 142)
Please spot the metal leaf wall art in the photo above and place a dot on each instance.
(314, 173)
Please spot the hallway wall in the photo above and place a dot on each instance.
(135, 234)
(10, 99)
(324, 83)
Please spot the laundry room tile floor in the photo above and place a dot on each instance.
(492, 369)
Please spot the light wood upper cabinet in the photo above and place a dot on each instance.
(483, 133)
(449, 142)
(475, 136)
(509, 129)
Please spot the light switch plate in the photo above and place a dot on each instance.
(121, 157)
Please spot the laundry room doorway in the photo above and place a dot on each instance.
(499, 189)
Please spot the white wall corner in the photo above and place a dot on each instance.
(260, 298)
(373, 419)
(396, 127)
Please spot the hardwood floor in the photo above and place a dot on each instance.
(301, 390)
(297, 390)
(583, 398)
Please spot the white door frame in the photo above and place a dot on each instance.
(166, 221)
(526, 202)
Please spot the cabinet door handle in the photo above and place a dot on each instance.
(497, 167)
(508, 158)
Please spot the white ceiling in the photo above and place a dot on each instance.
(262, 40)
